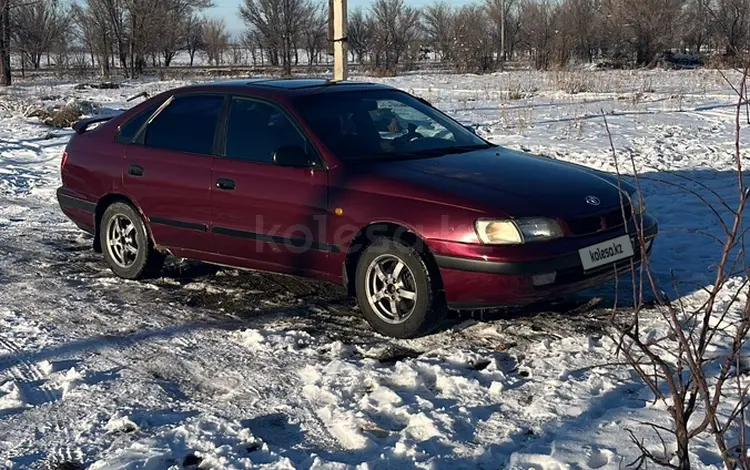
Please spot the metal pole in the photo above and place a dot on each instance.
(340, 71)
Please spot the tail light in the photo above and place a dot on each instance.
(64, 160)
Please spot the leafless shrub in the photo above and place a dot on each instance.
(698, 369)
(574, 82)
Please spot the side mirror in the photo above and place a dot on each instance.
(469, 128)
(293, 156)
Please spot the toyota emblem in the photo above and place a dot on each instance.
(593, 200)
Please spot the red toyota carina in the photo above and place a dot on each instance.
(355, 183)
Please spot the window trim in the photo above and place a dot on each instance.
(133, 118)
(141, 136)
(318, 162)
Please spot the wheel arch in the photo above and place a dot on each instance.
(367, 234)
(101, 206)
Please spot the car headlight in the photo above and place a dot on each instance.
(637, 203)
(517, 231)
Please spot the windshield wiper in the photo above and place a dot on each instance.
(451, 150)
(425, 153)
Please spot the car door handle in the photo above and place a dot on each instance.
(225, 184)
(135, 170)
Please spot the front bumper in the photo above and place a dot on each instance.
(484, 282)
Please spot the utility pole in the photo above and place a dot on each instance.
(338, 16)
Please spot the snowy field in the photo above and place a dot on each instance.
(215, 368)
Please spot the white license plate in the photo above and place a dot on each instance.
(607, 252)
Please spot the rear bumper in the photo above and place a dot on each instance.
(77, 208)
(478, 283)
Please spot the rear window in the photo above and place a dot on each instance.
(128, 131)
(187, 124)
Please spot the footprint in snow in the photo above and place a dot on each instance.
(599, 458)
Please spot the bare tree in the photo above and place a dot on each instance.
(581, 20)
(506, 21)
(696, 26)
(315, 33)
(438, 23)
(172, 33)
(137, 29)
(731, 19)
(194, 36)
(215, 40)
(360, 34)
(279, 23)
(36, 27)
(254, 42)
(538, 20)
(396, 28)
(649, 26)
(92, 27)
(474, 44)
(5, 70)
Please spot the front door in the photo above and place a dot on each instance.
(168, 171)
(264, 215)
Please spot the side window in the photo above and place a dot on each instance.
(127, 131)
(255, 130)
(187, 124)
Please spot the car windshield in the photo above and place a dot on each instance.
(383, 124)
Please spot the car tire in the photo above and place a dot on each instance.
(127, 247)
(391, 271)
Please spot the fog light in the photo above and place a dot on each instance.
(543, 279)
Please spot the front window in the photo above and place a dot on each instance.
(383, 124)
(256, 130)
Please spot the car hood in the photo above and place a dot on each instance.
(514, 183)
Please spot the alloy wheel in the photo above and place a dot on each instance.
(122, 242)
(391, 289)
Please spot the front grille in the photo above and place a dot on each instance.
(598, 223)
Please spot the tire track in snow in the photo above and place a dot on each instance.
(30, 380)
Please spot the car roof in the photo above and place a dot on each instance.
(294, 85)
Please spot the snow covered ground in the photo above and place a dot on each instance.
(221, 369)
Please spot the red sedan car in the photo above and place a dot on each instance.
(355, 183)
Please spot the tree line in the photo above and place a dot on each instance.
(390, 35)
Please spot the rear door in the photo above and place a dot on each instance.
(267, 215)
(168, 171)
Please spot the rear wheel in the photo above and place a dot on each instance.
(395, 291)
(127, 248)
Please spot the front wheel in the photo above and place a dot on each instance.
(395, 291)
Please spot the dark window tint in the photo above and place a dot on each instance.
(130, 129)
(188, 124)
(383, 124)
(256, 130)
